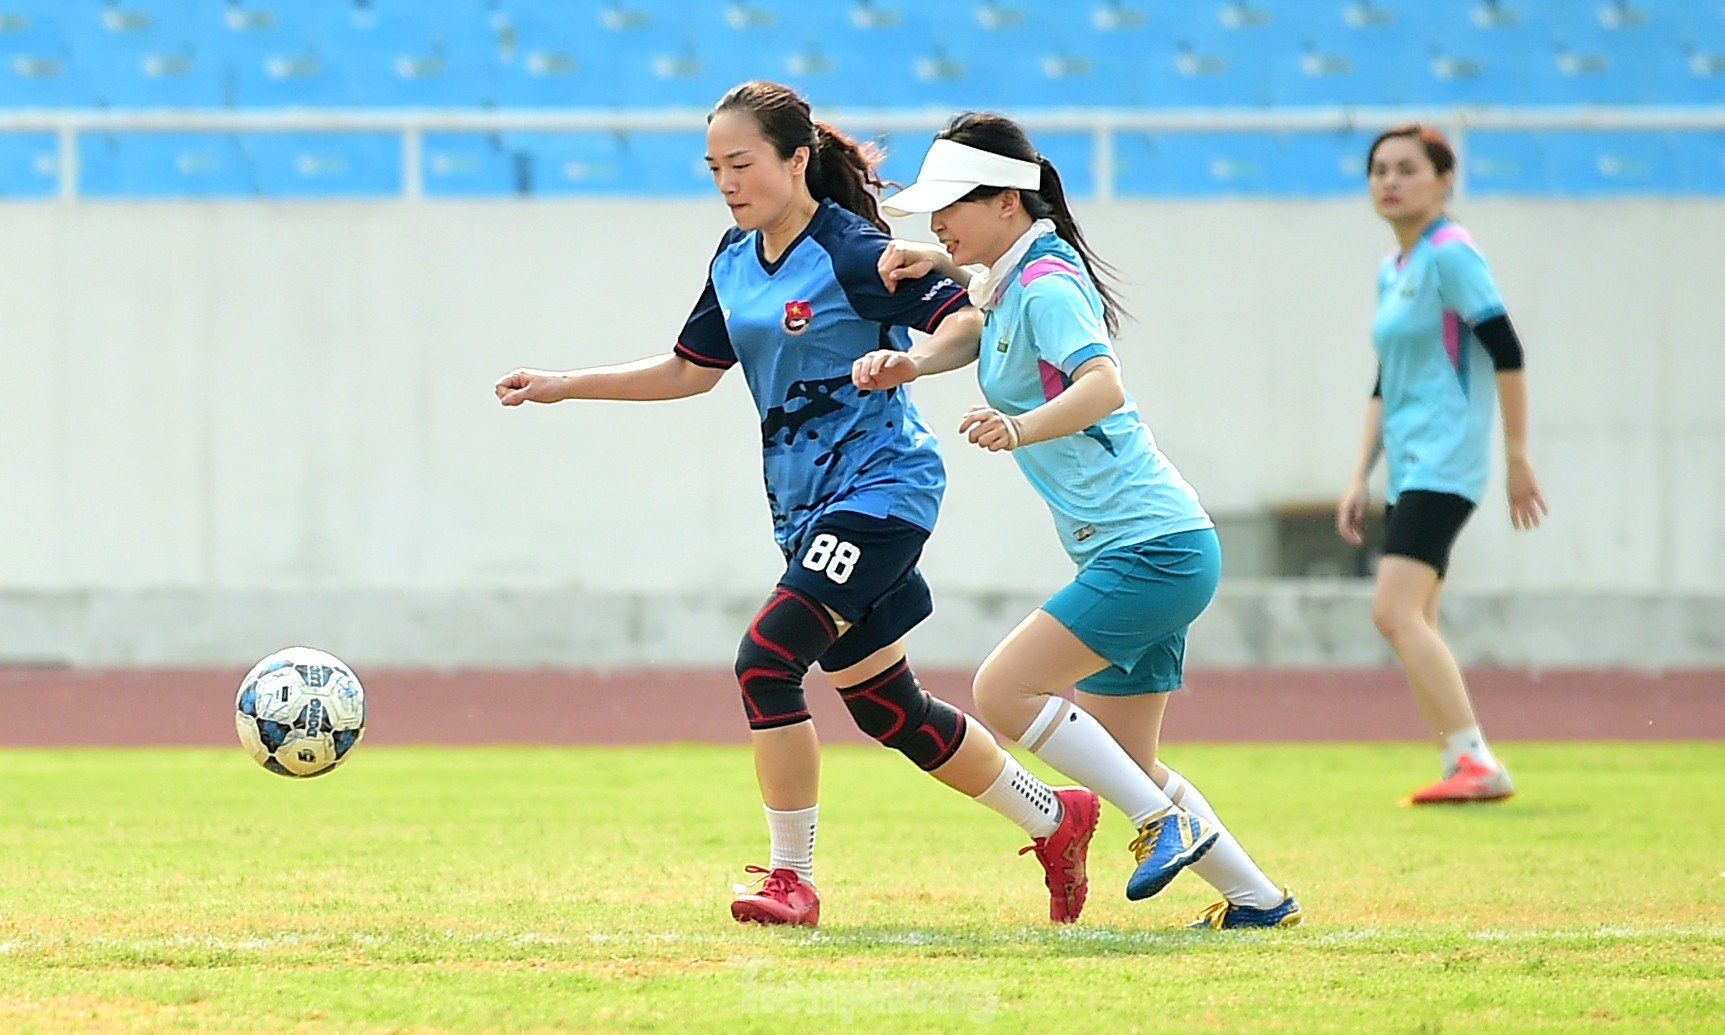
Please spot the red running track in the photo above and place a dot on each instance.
(661, 705)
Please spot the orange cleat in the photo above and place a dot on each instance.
(1470, 782)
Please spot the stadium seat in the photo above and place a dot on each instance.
(554, 164)
(468, 165)
(1701, 161)
(1588, 164)
(668, 163)
(1327, 163)
(1197, 164)
(317, 165)
(552, 55)
(163, 165)
(29, 165)
(1502, 162)
(397, 54)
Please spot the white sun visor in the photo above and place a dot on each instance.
(951, 170)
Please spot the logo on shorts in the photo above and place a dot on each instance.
(797, 317)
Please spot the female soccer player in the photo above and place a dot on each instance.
(1147, 555)
(1445, 350)
(853, 478)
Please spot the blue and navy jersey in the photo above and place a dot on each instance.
(1438, 383)
(1107, 486)
(796, 326)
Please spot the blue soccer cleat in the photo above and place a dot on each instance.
(1224, 915)
(1166, 844)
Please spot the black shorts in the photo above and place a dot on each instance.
(863, 569)
(1424, 525)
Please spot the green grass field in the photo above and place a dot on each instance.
(585, 889)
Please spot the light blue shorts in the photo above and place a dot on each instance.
(1132, 607)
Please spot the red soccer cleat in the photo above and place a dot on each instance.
(1063, 852)
(784, 898)
(1470, 782)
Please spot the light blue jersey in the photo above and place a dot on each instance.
(1108, 486)
(1438, 383)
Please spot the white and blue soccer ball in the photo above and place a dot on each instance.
(300, 712)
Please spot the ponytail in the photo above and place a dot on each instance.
(839, 168)
(1002, 136)
(1049, 202)
(847, 172)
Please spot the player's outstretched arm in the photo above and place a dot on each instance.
(667, 376)
(953, 344)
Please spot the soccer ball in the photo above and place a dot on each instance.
(300, 712)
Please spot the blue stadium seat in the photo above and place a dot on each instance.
(320, 165)
(669, 69)
(468, 165)
(397, 54)
(551, 55)
(672, 163)
(38, 67)
(38, 80)
(162, 165)
(1701, 161)
(1074, 154)
(1330, 163)
(554, 164)
(1197, 164)
(34, 26)
(1589, 164)
(29, 165)
(1503, 162)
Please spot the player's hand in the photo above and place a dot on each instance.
(1526, 504)
(1351, 514)
(540, 386)
(987, 427)
(903, 260)
(882, 370)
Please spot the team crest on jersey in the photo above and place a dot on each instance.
(797, 317)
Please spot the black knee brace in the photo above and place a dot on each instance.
(894, 709)
(789, 632)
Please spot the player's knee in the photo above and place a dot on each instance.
(1394, 618)
(895, 710)
(771, 684)
(999, 701)
(787, 635)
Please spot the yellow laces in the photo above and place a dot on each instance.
(1215, 914)
(1140, 846)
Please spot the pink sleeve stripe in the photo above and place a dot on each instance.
(1053, 381)
(1452, 232)
(1044, 266)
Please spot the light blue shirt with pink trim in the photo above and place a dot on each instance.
(1439, 386)
(1107, 486)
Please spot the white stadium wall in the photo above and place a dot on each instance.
(227, 426)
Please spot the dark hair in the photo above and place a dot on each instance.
(1000, 135)
(1437, 148)
(839, 168)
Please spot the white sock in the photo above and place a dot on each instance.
(1469, 742)
(1022, 798)
(1226, 866)
(1068, 738)
(793, 835)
